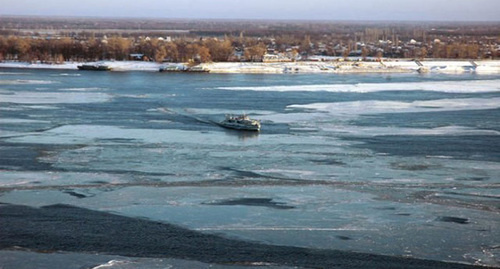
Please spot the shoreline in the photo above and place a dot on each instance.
(302, 67)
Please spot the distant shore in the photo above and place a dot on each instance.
(384, 66)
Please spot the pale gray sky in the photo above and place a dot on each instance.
(413, 10)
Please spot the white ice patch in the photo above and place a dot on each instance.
(342, 111)
(16, 121)
(161, 110)
(83, 89)
(36, 179)
(13, 73)
(385, 131)
(286, 173)
(40, 107)
(134, 96)
(132, 66)
(111, 264)
(54, 98)
(332, 117)
(161, 121)
(10, 108)
(380, 107)
(67, 75)
(24, 82)
(473, 86)
(290, 118)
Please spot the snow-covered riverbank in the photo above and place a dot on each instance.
(115, 65)
(392, 66)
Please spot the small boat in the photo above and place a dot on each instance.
(240, 122)
(94, 67)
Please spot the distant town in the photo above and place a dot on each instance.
(57, 40)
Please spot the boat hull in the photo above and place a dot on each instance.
(242, 127)
(253, 128)
(240, 122)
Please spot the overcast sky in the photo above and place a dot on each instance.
(413, 10)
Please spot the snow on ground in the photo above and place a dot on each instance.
(488, 67)
(115, 65)
(24, 65)
(411, 65)
(386, 66)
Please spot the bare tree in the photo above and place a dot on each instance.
(256, 52)
(219, 51)
(160, 54)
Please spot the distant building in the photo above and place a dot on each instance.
(136, 57)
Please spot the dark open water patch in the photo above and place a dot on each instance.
(386, 208)
(481, 148)
(411, 166)
(24, 156)
(242, 174)
(119, 140)
(453, 219)
(100, 182)
(472, 178)
(327, 162)
(265, 202)
(392, 208)
(403, 214)
(73, 229)
(76, 194)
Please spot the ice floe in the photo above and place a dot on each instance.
(25, 82)
(385, 131)
(380, 107)
(20, 121)
(472, 86)
(91, 89)
(344, 111)
(54, 97)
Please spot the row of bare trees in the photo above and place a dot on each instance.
(61, 49)
(120, 48)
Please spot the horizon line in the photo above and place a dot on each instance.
(243, 19)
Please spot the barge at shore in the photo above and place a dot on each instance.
(94, 67)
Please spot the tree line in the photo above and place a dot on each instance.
(61, 49)
(197, 49)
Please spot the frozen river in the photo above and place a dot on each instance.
(401, 165)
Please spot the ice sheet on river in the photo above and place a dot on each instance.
(379, 107)
(53, 97)
(474, 86)
(318, 216)
(399, 173)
